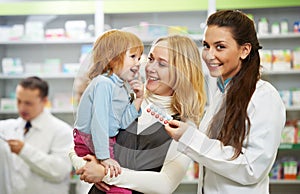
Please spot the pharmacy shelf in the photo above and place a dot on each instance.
(293, 108)
(290, 35)
(199, 37)
(43, 75)
(196, 37)
(272, 181)
(48, 41)
(62, 111)
(284, 182)
(278, 36)
(54, 111)
(283, 72)
(111, 8)
(289, 146)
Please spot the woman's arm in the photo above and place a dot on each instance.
(77, 162)
(171, 174)
(267, 116)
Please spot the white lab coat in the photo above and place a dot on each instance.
(249, 172)
(45, 153)
(6, 181)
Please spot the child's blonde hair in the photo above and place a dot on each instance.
(109, 51)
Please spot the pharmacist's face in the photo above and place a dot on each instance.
(131, 66)
(158, 70)
(29, 102)
(221, 53)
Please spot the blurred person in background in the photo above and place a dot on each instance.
(34, 147)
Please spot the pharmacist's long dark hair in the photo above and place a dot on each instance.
(231, 124)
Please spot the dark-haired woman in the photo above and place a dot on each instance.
(238, 138)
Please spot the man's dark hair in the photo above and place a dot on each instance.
(35, 82)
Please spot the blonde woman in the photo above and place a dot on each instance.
(150, 161)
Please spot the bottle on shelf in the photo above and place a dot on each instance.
(263, 26)
(275, 28)
(284, 26)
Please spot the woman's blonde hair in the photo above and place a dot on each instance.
(187, 78)
(109, 51)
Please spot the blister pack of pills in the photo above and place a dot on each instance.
(158, 114)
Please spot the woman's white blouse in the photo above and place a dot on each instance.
(249, 172)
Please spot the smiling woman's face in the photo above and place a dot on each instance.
(221, 52)
(158, 70)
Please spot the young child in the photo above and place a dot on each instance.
(105, 106)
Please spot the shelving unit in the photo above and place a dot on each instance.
(285, 182)
(67, 50)
(282, 80)
(288, 146)
(58, 83)
(130, 13)
(49, 41)
(286, 186)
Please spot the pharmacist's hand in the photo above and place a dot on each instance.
(92, 171)
(112, 166)
(137, 86)
(176, 129)
(15, 145)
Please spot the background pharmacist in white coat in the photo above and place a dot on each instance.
(240, 133)
(39, 145)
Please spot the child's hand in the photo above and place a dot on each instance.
(112, 165)
(137, 86)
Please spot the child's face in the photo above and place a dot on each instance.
(131, 66)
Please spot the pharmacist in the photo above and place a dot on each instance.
(34, 147)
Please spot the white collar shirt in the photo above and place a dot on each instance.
(45, 152)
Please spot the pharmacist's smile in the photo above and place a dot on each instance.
(214, 66)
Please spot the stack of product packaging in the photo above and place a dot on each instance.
(287, 168)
